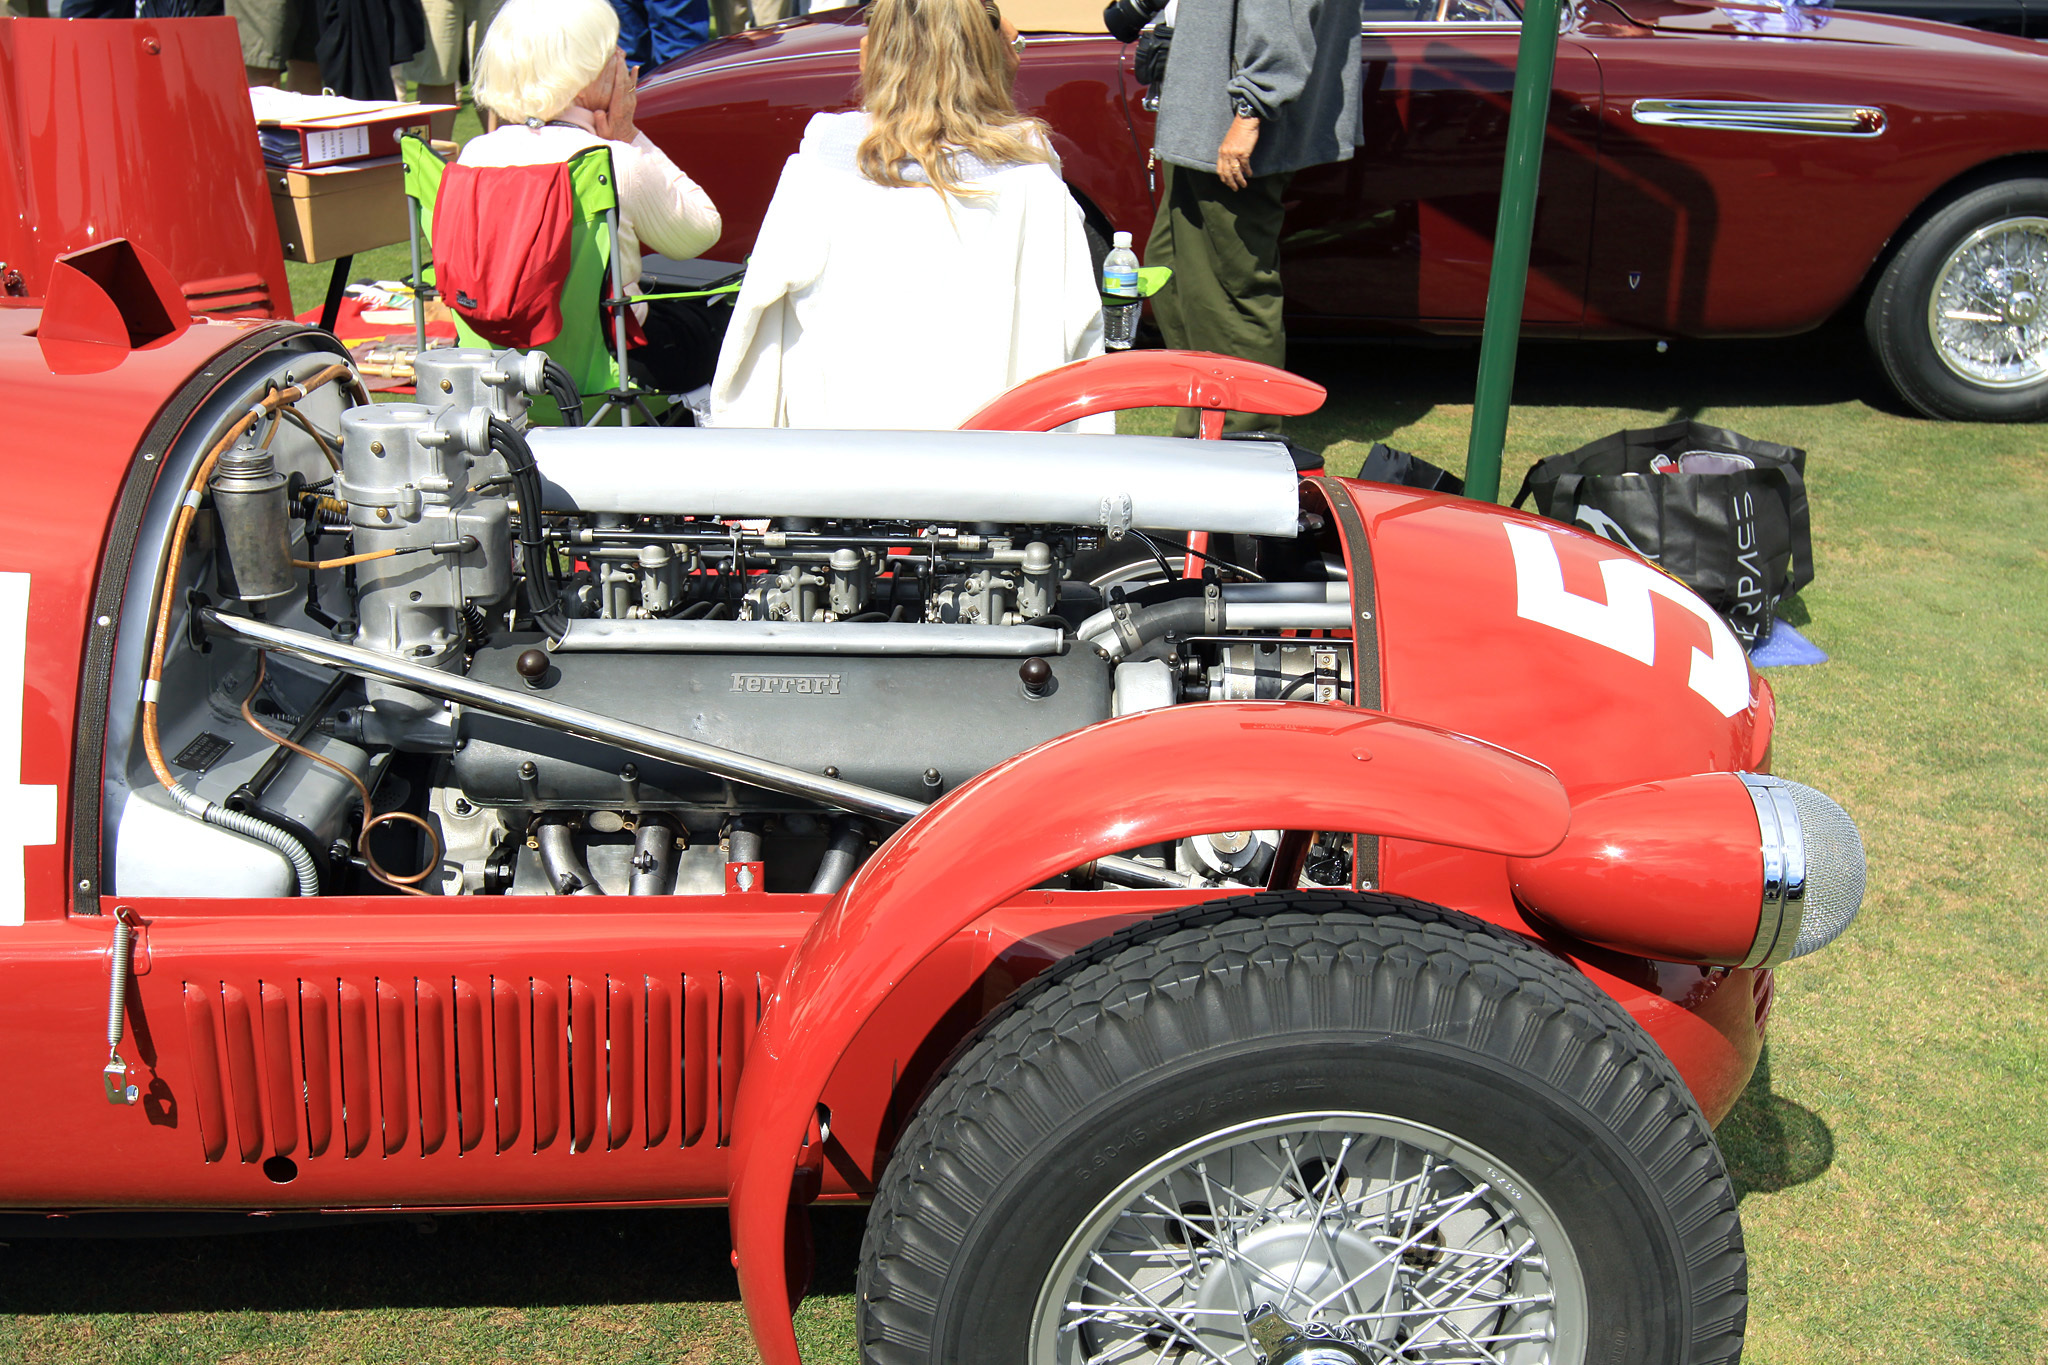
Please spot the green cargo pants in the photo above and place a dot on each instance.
(1223, 246)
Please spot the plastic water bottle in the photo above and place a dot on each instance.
(1120, 281)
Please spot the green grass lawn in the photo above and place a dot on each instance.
(1892, 1153)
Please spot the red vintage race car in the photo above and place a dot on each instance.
(1706, 174)
(1331, 943)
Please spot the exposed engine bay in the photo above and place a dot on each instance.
(427, 647)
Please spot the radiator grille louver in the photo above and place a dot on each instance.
(503, 1064)
(231, 295)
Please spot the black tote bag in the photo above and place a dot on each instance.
(1384, 464)
(1723, 513)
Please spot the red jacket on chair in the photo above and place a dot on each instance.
(501, 249)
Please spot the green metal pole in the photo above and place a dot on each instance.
(1534, 63)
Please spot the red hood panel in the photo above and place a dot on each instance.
(105, 122)
(1554, 643)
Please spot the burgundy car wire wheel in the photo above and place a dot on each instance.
(1986, 312)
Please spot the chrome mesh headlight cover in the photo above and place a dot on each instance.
(1813, 869)
(1835, 869)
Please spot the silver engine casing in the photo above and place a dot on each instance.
(897, 610)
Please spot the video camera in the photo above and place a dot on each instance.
(1125, 19)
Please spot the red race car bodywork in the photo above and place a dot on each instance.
(154, 141)
(621, 992)
(483, 1051)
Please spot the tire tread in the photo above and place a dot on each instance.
(1136, 997)
(1894, 319)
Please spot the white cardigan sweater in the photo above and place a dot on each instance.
(896, 308)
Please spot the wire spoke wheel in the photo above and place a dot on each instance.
(1415, 1137)
(1955, 318)
(1402, 1241)
(1986, 313)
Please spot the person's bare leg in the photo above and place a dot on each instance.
(258, 76)
(302, 76)
(443, 124)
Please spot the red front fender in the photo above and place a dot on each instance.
(1148, 379)
(1138, 780)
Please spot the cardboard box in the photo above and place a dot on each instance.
(322, 214)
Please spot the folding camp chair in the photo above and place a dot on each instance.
(594, 300)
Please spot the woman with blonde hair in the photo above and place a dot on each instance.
(921, 254)
(553, 72)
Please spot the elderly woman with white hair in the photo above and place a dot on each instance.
(552, 70)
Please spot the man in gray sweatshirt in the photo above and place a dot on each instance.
(1255, 90)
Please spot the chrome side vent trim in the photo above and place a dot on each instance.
(1763, 116)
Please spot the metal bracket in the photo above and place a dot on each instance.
(1116, 515)
(120, 1090)
(1324, 688)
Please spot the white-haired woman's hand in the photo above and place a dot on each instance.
(597, 95)
(615, 122)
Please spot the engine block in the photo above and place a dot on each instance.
(893, 612)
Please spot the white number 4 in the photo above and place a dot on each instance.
(28, 815)
(1624, 623)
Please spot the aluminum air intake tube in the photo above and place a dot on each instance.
(1737, 869)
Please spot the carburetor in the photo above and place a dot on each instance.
(427, 544)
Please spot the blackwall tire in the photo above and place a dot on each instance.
(1959, 318)
(1461, 1063)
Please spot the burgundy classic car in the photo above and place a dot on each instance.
(1710, 171)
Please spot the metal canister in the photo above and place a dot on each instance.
(255, 524)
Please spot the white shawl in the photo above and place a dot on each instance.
(894, 308)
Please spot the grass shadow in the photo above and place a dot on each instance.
(1380, 386)
(1769, 1142)
(487, 1260)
